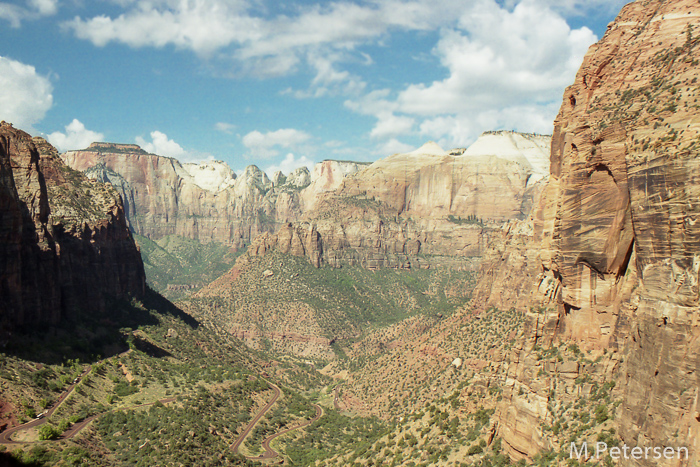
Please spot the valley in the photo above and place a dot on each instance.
(491, 305)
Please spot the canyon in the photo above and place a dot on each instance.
(496, 301)
(418, 192)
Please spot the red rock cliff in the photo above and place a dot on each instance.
(64, 242)
(619, 241)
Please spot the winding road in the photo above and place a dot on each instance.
(6, 436)
(269, 452)
(257, 418)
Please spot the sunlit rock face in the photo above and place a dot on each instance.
(495, 181)
(205, 201)
(618, 242)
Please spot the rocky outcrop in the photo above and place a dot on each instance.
(64, 242)
(616, 235)
(205, 202)
(327, 177)
(428, 201)
(413, 210)
(430, 183)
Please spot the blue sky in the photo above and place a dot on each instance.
(282, 84)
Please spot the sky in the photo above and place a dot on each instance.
(284, 84)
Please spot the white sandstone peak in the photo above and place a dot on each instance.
(211, 175)
(431, 148)
(525, 148)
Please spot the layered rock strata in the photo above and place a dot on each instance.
(64, 242)
(428, 202)
(407, 209)
(205, 202)
(617, 238)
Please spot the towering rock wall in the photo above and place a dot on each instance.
(617, 236)
(382, 214)
(431, 183)
(415, 209)
(205, 202)
(64, 241)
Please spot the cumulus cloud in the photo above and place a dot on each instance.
(25, 95)
(393, 146)
(225, 127)
(390, 125)
(76, 136)
(202, 26)
(160, 144)
(44, 7)
(317, 37)
(329, 81)
(289, 163)
(505, 68)
(35, 9)
(265, 145)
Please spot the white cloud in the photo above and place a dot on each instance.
(45, 7)
(160, 144)
(36, 8)
(505, 69)
(289, 163)
(263, 144)
(317, 35)
(202, 26)
(329, 81)
(500, 57)
(390, 125)
(393, 146)
(225, 127)
(75, 137)
(25, 96)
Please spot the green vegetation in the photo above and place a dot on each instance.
(177, 266)
(334, 435)
(340, 304)
(470, 220)
(196, 429)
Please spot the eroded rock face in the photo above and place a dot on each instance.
(64, 241)
(205, 202)
(617, 232)
(429, 201)
(431, 183)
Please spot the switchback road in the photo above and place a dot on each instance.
(271, 453)
(6, 436)
(257, 418)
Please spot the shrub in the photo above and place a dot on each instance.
(475, 449)
(48, 431)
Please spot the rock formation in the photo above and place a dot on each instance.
(394, 212)
(400, 206)
(205, 202)
(430, 183)
(64, 241)
(615, 239)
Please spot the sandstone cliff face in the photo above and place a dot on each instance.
(64, 242)
(431, 183)
(378, 215)
(413, 210)
(205, 202)
(617, 234)
(327, 177)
